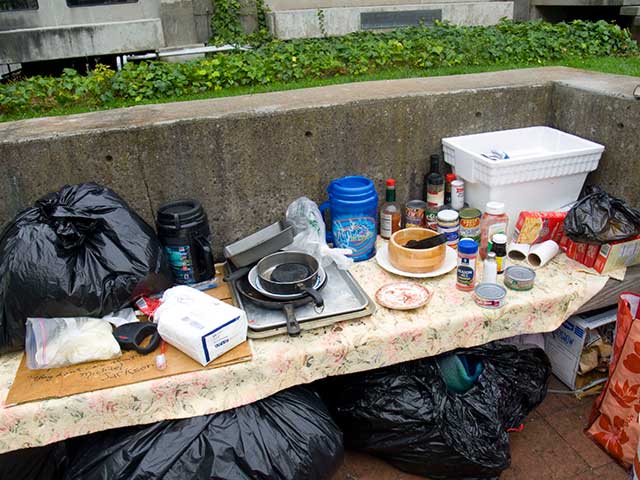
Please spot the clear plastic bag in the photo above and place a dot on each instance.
(310, 234)
(58, 342)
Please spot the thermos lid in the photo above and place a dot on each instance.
(181, 214)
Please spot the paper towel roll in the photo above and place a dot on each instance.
(542, 253)
(518, 251)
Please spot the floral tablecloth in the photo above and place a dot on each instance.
(451, 320)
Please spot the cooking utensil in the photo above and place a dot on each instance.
(427, 242)
(130, 336)
(249, 250)
(254, 280)
(290, 273)
(288, 307)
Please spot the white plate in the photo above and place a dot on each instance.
(450, 262)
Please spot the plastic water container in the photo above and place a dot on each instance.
(546, 168)
(353, 205)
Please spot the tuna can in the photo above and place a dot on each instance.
(470, 223)
(489, 295)
(414, 216)
(519, 278)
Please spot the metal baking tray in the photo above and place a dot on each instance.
(344, 299)
(264, 242)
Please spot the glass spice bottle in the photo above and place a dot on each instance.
(390, 213)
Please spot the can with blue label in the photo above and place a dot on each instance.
(353, 208)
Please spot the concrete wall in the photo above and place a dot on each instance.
(246, 158)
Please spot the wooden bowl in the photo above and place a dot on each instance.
(412, 260)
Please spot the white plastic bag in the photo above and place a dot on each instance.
(310, 234)
(57, 342)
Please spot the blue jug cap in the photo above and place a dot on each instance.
(468, 246)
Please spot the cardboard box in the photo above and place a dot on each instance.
(564, 243)
(572, 249)
(538, 227)
(565, 345)
(615, 255)
(581, 252)
(592, 254)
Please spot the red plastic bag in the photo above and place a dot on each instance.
(614, 420)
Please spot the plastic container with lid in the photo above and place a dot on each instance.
(493, 221)
(449, 224)
(466, 271)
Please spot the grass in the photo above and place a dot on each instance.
(615, 65)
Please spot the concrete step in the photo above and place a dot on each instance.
(307, 23)
(630, 10)
(280, 5)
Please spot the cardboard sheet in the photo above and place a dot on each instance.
(131, 367)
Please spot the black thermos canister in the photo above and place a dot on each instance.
(184, 231)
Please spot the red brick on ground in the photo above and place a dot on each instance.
(551, 447)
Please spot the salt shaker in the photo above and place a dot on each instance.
(490, 270)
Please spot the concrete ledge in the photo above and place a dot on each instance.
(34, 44)
(304, 23)
(246, 158)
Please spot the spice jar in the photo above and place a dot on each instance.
(493, 221)
(499, 247)
(466, 271)
(449, 224)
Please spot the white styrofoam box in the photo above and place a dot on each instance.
(546, 168)
(564, 345)
(199, 325)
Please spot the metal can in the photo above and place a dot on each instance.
(489, 295)
(519, 278)
(431, 218)
(414, 214)
(449, 225)
(470, 223)
(457, 194)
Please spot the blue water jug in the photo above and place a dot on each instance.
(353, 205)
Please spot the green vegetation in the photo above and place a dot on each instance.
(277, 65)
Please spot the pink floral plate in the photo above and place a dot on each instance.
(403, 295)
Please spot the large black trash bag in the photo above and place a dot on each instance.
(288, 436)
(406, 415)
(601, 218)
(78, 252)
(37, 463)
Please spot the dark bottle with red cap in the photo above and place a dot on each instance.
(390, 213)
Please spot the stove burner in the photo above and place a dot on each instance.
(290, 272)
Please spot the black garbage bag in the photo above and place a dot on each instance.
(77, 252)
(288, 436)
(406, 415)
(601, 218)
(37, 463)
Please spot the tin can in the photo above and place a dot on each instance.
(449, 224)
(470, 223)
(489, 295)
(519, 278)
(431, 218)
(457, 194)
(414, 214)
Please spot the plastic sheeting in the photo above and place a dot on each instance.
(288, 436)
(79, 252)
(406, 415)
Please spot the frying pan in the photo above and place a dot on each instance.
(290, 273)
(254, 280)
(293, 327)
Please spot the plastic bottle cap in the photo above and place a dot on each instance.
(448, 215)
(391, 182)
(495, 208)
(500, 238)
(491, 255)
(468, 246)
(450, 177)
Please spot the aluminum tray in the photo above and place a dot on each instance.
(264, 242)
